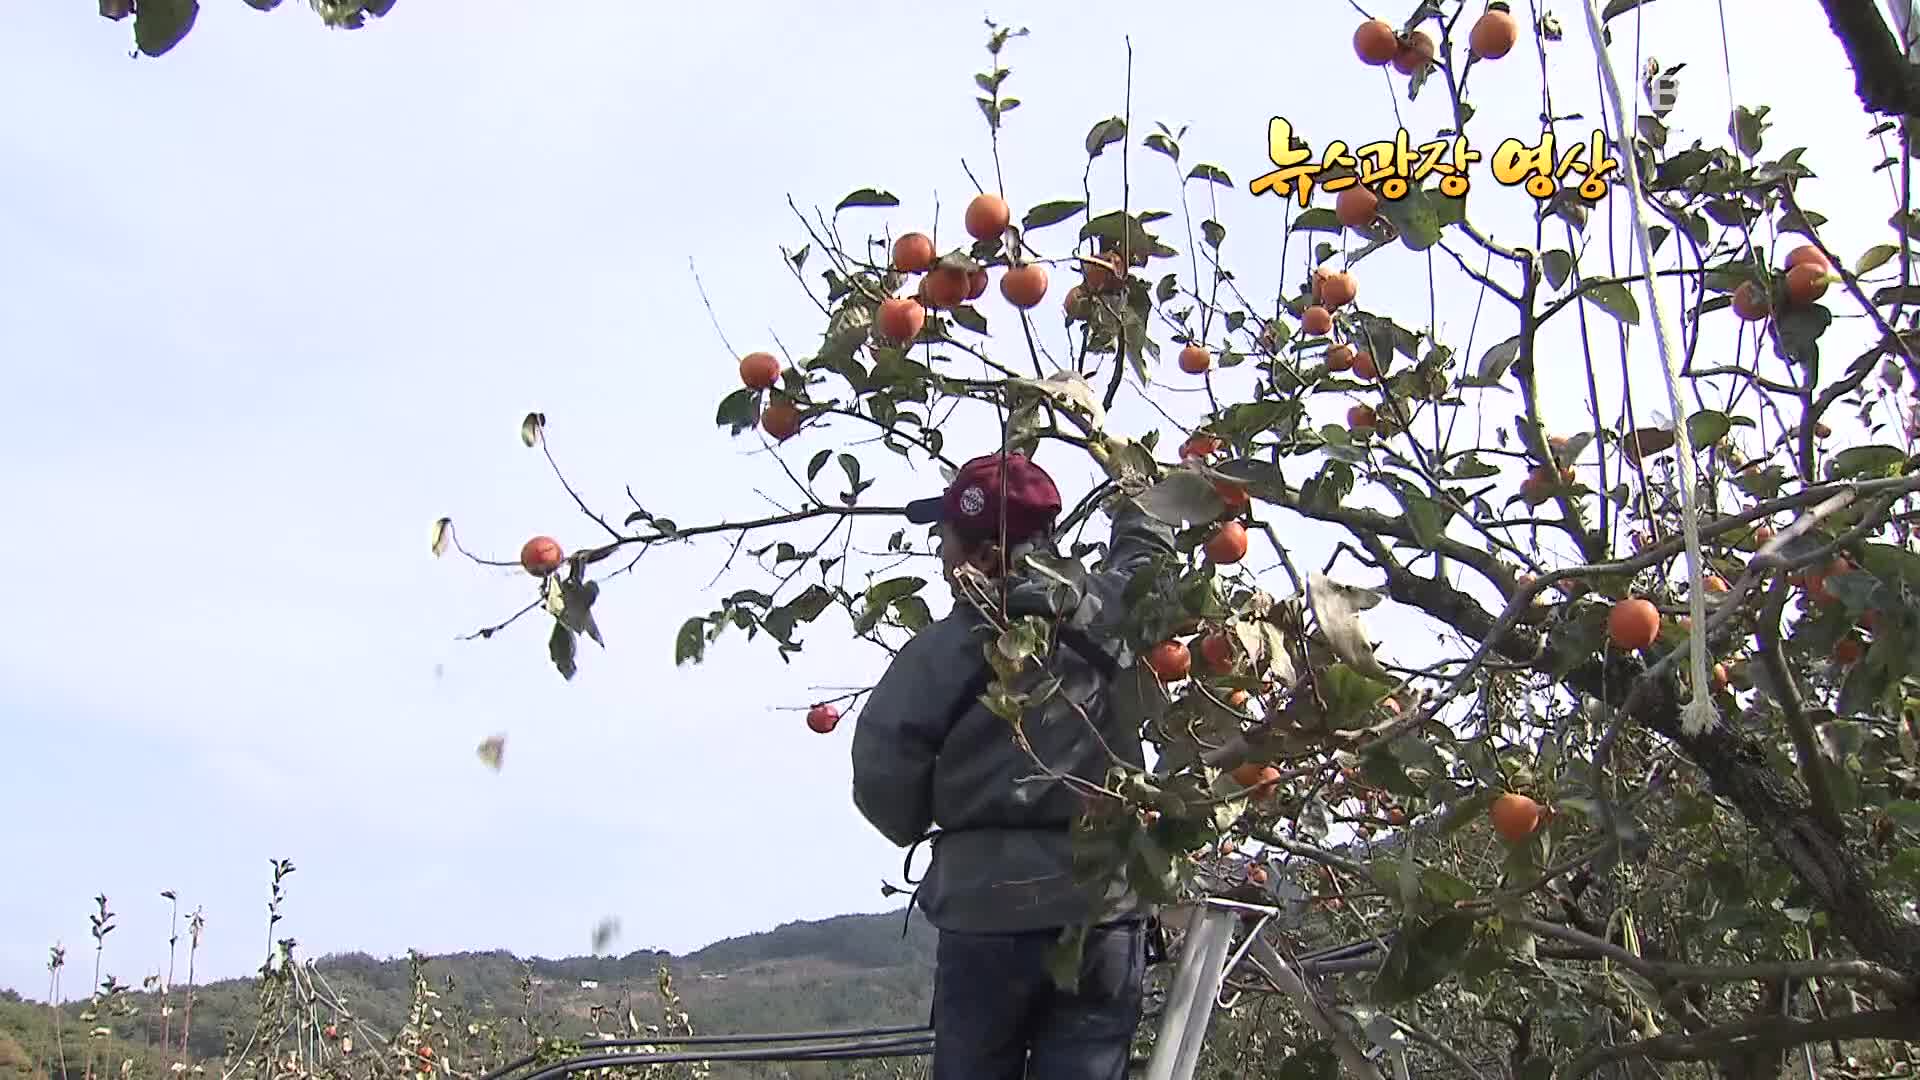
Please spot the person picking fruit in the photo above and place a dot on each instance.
(1001, 888)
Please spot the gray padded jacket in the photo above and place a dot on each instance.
(926, 751)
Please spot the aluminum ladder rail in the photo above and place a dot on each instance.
(1197, 978)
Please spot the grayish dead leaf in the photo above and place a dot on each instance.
(1183, 498)
(1335, 610)
(1278, 661)
(1071, 389)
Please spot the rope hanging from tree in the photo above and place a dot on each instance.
(1699, 713)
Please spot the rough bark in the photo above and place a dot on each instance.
(1884, 80)
(1763, 1063)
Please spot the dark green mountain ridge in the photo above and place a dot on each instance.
(849, 971)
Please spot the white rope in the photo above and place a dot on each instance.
(1699, 714)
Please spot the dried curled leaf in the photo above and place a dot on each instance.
(1070, 389)
(532, 427)
(847, 330)
(490, 751)
(1266, 649)
(1336, 610)
(561, 648)
(1130, 464)
(442, 536)
(1646, 442)
(1361, 599)
(571, 602)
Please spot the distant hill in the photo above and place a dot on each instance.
(845, 972)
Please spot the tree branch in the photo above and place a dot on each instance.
(1270, 963)
(1737, 766)
(1890, 339)
(1883, 79)
(593, 555)
(1587, 285)
(1768, 1031)
(541, 435)
(1786, 694)
(1865, 971)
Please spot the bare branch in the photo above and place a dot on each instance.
(1896, 984)
(1753, 1034)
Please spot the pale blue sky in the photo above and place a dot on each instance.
(271, 304)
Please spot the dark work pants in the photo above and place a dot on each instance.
(998, 1016)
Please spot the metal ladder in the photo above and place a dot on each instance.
(1201, 971)
(1198, 975)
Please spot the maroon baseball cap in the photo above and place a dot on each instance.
(973, 503)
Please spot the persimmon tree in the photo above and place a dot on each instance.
(1550, 861)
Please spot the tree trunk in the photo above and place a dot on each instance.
(1883, 78)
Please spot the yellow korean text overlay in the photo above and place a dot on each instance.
(1536, 168)
(1388, 166)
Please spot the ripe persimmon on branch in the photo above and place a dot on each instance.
(1524, 771)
